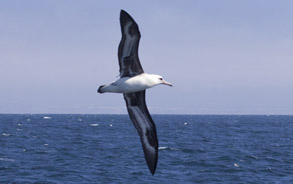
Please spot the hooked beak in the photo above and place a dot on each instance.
(167, 83)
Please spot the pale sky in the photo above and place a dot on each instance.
(223, 57)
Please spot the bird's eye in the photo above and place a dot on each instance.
(161, 78)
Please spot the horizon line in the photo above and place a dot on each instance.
(190, 114)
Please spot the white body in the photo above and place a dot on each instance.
(133, 84)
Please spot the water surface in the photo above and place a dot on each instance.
(106, 149)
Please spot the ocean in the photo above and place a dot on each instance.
(50, 148)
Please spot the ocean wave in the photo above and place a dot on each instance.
(7, 159)
(94, 124)
(163, 147)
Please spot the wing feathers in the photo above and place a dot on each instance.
(130, 66)
(145, 126)
(128, 48)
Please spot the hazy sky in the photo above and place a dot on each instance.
(223, 57)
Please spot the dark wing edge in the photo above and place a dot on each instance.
(145, 126)
(128, 48)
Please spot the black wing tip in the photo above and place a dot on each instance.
(123, 13)
(153, 170)
(125, 17)
(152, 161)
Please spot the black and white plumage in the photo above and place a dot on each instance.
(133, 83)
(128, 47)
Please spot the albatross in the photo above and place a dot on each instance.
(133, 83)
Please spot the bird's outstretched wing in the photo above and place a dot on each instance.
(128, 47)
(145, 126)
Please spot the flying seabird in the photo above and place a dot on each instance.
(133, 83)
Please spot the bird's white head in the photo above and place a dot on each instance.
(157, 79)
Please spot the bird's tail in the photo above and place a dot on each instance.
(100, 90)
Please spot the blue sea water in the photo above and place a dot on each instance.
(106, 149)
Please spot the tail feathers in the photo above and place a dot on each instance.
(100, 90)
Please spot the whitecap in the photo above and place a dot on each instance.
(19, 124)
(163, 147)
(7, 159)
(94, 124)
(185, 123)
(236, 165)
(111, 125)
(79, 119)
(269, 168)
(5, 134)
(47, 117)
(46, 144)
